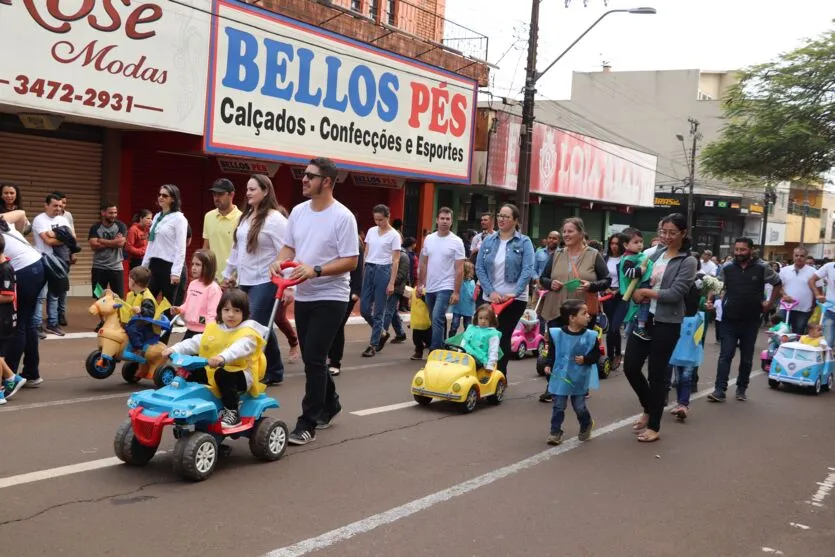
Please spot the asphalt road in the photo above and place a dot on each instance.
(737, 479)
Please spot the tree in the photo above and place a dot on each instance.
(780, 119)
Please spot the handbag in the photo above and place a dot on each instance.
(56, 271)
(592, 299)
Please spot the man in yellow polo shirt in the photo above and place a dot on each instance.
(219, 224)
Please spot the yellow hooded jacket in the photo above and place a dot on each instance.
(135, 299)
(216, 339)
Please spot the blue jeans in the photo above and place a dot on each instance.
(392, 317)
(438, 302)
(829, 327)
(743, 333)
(55, 304)
(373, 299)
(261, 300)
(456, 320)
(37, 317)
(578, 402)
(30, 282)
(798, 320)
(684, 378)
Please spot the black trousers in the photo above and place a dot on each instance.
(508, 319)
(229, 383)
(317, 324)
(338, 346)
(108, 278)
(161, 279)
(652, 388)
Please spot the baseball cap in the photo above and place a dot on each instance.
(222, 185)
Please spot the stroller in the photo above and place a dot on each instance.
(528, 338)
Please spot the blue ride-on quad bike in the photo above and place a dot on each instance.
(194, 412)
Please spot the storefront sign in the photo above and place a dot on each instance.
(569, 164)
(237, 166)
(140, 63)
(667, 201)
(756, 208)
(288, 91)
(373, 181)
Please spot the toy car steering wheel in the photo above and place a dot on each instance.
(282, 283)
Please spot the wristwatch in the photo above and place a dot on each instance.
(318, 270)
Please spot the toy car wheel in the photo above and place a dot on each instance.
(521, 351)
(128, 449)
(423, 400)
(828, 386)
(97, 371)
(268, 439)
(773, 383)
(471, 401)
(817, 388)
(497, 398)
(195, 456)
(540, 349)
(129, 370)
(604, 367)
(163, 375)
(541, 362)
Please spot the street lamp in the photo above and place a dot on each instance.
(523, 181)
(691, 163)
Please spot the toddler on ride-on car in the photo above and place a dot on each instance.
(233, 346)
(481, 340)
(140, 302)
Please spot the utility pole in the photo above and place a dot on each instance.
(770, 197)
(523, 181)
(694, 133)
(803, 218)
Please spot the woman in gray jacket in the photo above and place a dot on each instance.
(673, 273)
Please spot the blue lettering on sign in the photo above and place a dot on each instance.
(286, 70)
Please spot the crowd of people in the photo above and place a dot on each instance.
(655, 297)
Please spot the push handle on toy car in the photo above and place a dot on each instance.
(281, 283)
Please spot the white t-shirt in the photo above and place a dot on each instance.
(796, 284)
(612, 265)
(319, 238)
(441, 253)
(381, 246)
(45, 223)
(500, 285)
(254, 268)
(827, 273)
(709, 268)
(19, 251)
(658, 270)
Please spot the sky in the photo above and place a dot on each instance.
(684, 34)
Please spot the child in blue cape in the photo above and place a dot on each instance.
(572, 367)
(687, 356)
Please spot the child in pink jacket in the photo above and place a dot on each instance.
(203, 294)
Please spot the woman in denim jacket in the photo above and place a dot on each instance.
(505, 267)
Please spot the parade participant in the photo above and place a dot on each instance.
(337, 349)
(572, 367)
(687, 357)
(486, 230)
(202, 296)
(552, 244)
(795, 279)
(482, 339)
(813, 337)
(465, 308)
(219, 224)
(232, 344)
(382, 258)
(11, 383)
(140, 302)
(614, 252)
(137, 240)
(283, 323)
(321, 237)
(166, 251)
(107, 238)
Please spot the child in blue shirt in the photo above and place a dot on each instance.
(572, 368)
(465, 308)
(687, 356)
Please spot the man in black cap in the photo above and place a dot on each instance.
(219, 223)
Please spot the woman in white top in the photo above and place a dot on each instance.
(166, 251)
(614, 250)
(257, 241)
(382, 256)
(30, 279)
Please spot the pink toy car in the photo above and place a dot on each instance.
(527, 338)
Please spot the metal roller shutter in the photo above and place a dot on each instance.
(40, 165)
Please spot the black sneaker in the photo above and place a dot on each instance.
(642, 334)
(418, 355)
(55, 330)
(369, 352)
(62, 320)
(41, 334)
(383, 340)
(399, 339)
(301, 436)
(716, 396)
(326, 423)
(229, 418)
(546, 397)
(741, 396)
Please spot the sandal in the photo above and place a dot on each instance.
(649, 436)
(640, 424)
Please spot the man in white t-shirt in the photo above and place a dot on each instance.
(382, 257)
(321, 236)
(440, 273)
(825, 275)
(708, 267)
(45, 241)
(795, 279)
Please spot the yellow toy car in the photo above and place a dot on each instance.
(452, 375)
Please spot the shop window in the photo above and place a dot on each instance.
(356, 5)
(390, 11)
(373, 5)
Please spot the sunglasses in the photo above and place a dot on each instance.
(163, 195)
(312, 175)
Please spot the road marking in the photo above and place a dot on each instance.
(801, 526)
(47, 404)
(395, 514)
(51, 473)
(824, 489)
(381, 409)
(772, 550)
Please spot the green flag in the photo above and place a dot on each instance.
(98, 292)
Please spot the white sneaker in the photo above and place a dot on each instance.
(334, 371)
(33, 383)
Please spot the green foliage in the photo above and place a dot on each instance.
(780, 118)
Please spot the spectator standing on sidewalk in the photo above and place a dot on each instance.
(487, 228)
(382, 258)
(337, 349)
(45, 242)
(219, 224)
(742, 307)
(107, 238)
(69, 258)
(321, 237)
(795, 279)
(13, 201)
(440, 273)
(552, 243)
(137, 239)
